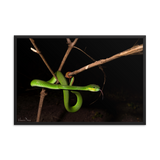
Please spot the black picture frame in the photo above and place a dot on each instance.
(121, 35)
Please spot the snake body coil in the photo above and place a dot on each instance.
(64, 85)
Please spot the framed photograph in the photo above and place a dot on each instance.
(93, 80)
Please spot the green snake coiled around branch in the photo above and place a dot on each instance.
(65, 87)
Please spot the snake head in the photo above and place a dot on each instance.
(93, 88)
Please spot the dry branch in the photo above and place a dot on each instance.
(42, 96)
(138, 49)
(36, 50)
(70, 46)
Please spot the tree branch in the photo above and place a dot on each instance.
(70, 46)
(42, 94)
(36, 50)
(136, 50)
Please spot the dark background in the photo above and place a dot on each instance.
(123, 75)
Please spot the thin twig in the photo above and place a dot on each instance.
(138, 49)
(68, 41)
(36, 50)
(70, 46)
(35, 46)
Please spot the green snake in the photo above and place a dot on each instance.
(65, 87)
